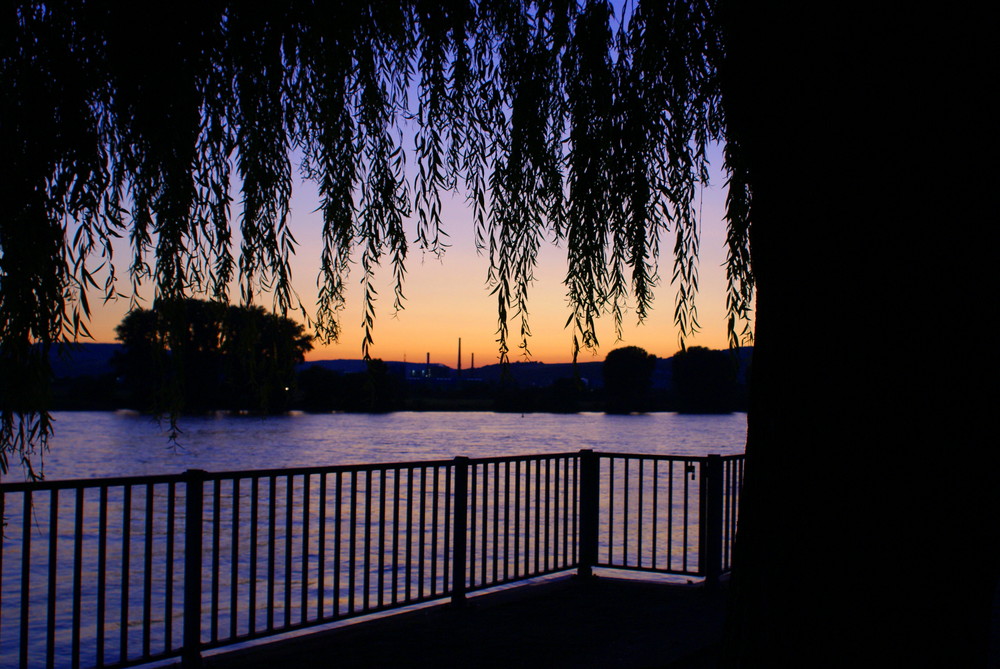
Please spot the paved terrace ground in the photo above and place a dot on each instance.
(603, 622)
(606, 623)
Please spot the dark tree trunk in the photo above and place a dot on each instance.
(869, 528)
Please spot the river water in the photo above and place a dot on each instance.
(96, 444)
(144, 558)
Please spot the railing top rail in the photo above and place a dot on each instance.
(113, 481)
(687, 458)
(73, 484)
(326, 469)
(644, 456)
(522, 458)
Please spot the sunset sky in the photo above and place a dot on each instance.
(448, 299)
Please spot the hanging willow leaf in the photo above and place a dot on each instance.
(557, 120)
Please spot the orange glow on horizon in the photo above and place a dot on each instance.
(448, 299)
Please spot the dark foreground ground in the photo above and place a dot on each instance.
(602, 622)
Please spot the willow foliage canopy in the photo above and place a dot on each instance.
(557, 120)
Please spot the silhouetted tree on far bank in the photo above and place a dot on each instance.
(563, 396)
(319, 390)
(375, 390)
(704, 381)
(628, 377)
(261, 353)
(195, 356)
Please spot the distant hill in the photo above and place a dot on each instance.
(82, 359)
(87, 359)
(539, 374)
(525, 374)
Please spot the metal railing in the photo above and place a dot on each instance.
(124, 571)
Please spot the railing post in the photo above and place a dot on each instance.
(194, 480)
(710, 520)
(589, 511)
(460, 530)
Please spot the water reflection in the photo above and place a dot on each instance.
(88, 445)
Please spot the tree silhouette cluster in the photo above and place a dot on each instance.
(628, 377)
(705, 381)
(374, 390)
(196, 356)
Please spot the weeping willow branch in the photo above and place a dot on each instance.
(557, 120)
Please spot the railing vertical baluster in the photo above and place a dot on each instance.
(409, 532)
(321, 552)
(77, 575)
(734, 497)
(626, 474)
(555, 512)
(548, 506)
(304, 575)
(517, 518)
(460, 523)
(656, 509)
(576, 509)
(538, 514)
(234, 560)
(397, 474)
(352, 555)
(670, 514)
(50, 628)
(486, 506)
(496, 521)
(337, 539)
(640, 514)
(168, 597)
(126, 567)
(102, 564)
(366, 580)
(506, 520)
(726, 499)
(688, 469)
(422, 542)
(254, 519)
(381, 537)
(566, 513)
(560, 536)
(611, 509)
(194, 493)
(527, 517)
(147, 584)
(472, 526)
(289, 535)
(25, 574)
(435, 491)
(272, 491)
(590, 506)
(216, 541)
(446, 567)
